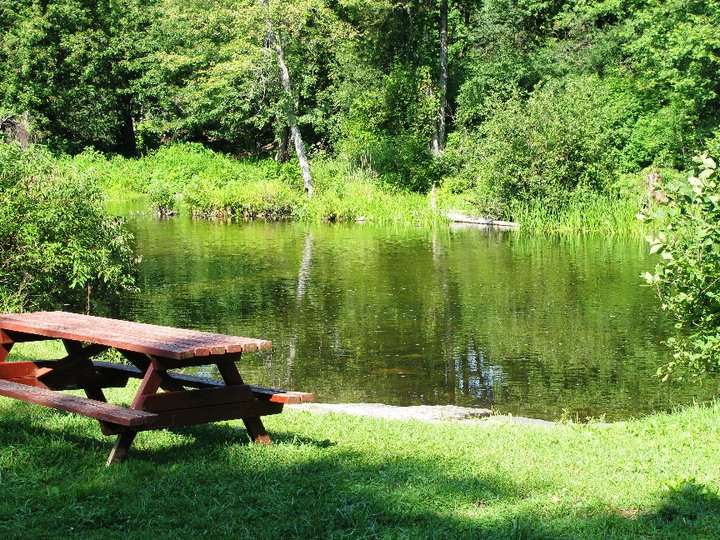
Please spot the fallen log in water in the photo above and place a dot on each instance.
(482, 222)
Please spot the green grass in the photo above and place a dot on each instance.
(337, 476)
(208, 184)
(589, 214)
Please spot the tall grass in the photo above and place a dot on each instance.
(591, 213)
(213, 185)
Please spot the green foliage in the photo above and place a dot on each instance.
(567, 136)
(686, 277)
(585, 212)
(402, 161)
(358, 477)
(68, 64)
(57, 248)
(543, 96)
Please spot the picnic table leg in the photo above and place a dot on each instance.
(74, 349)
(6, 343)
(254, 425)
(149, 385)
(121, 448)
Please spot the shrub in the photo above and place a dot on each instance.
(568, 135)
(687, 277)
(57, 248)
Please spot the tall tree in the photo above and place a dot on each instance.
(290, 101)
(437, 145)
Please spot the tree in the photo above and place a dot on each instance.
(67, 64)
(437, 145)
(290, 102)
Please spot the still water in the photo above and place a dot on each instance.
(407, 316)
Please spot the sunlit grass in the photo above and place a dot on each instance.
(593, 214)
(331, 476)
(213, 185)
(337, 476)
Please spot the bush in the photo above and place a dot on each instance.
(568, 135)
(687, 275)
(401, 161)
(57, 248)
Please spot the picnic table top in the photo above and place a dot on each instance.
(162, 341)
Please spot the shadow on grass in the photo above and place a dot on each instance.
(208, 481)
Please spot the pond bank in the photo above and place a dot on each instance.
(423, 413)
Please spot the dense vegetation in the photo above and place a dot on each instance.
(518, 105)
(687, 276)
(57, 247)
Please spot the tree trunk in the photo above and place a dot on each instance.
(126, 143)
(290, 106)
(281, 156)
(438, 141)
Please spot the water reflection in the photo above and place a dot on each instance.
(417, 316)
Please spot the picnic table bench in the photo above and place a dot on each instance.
(163, 399)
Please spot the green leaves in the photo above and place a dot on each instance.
(55, 241)
(687, 276)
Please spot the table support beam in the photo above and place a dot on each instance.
(254, 425)
(149, 385)
(6, 343)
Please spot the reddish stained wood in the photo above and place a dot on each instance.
(214, 413)
(168, 342)
(282, 396)
(256, 430)
(273, 395)
(10, 370)
(28, 381)
(121, 447)
(174, 401)
(88, 407)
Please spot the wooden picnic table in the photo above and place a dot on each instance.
(164, 399)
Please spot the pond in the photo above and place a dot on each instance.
(546, 328)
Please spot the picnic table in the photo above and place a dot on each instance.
(163, 400)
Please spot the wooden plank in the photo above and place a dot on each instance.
(107, 412)
(9, 370)
(273, 395)
(282, 396)
(163, 341)
(215, 413)
(174, 401)
(226, 358)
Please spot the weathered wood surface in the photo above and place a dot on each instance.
(162, 341)
(265, 394)
(483, 222)
(106, 412)
(152, 350)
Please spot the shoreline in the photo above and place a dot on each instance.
(423, 413)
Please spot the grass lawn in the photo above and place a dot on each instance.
(338, 476)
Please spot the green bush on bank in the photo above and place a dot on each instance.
(214, 185)
(57, 248)
(687, 276)
(567, 136)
